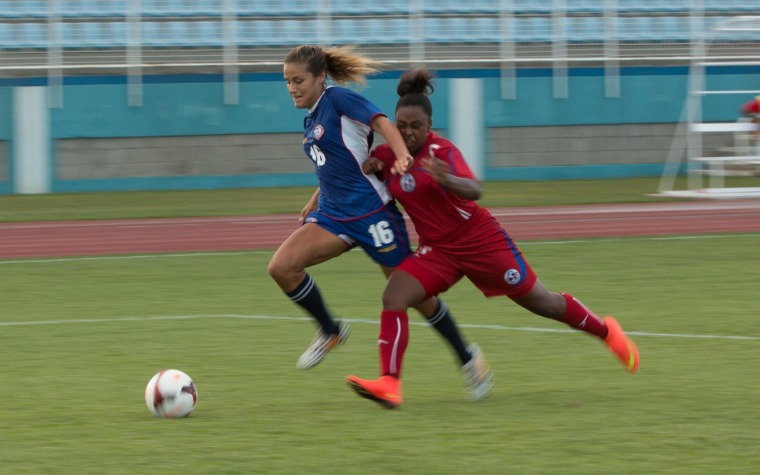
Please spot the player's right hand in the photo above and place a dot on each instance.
(372, 165)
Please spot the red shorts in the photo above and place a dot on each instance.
(493, 263)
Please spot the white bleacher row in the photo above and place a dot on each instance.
(386, 30)
(189, 8)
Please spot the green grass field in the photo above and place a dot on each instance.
(81, 337)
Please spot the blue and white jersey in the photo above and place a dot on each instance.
(337, 138)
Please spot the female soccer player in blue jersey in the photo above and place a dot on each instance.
(458, 238)
(349, 208)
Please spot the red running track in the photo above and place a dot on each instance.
(137, 236)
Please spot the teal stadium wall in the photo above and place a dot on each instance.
(181, 108)
(6, 131)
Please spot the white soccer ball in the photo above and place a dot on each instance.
(171, 393)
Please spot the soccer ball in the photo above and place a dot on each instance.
(171, 393)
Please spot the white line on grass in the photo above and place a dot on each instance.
(128, 257)
(255, 252)
(362, 321)
(642, 238)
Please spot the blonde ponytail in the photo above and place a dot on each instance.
(340, 63)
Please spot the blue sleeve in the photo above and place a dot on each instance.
(354, 106)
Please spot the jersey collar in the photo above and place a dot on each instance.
(314, 107)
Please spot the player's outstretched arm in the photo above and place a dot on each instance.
(388, 130)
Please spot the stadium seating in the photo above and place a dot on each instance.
(24, 36)
(485, 30)
(181, 8)
(259, 8)
(654, 29)
(208, 33)
(80, 35)
(533, 29)
(369, 7)
(546, 7)
(446, 30)
(393, 31)
(23, 8)
(672, 28)
(92, 8)
(532, 6)
(295, 32)
(390, 30)
(348, 31)
(584, 6)
(741, 6)
(6, 38)
(255, 33)
(462, 30)
(438, 7)
(158, 34)
(198, 23)
(736, 31)
(654, 6)
(584, 29)
(276, 32)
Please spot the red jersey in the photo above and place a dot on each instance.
(438, 215)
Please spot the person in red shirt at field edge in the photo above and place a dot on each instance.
(751, 110)
(457, 237)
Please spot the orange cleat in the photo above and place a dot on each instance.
(621, 345)
(385, 391)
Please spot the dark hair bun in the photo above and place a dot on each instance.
(419, 81)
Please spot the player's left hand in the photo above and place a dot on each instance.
(312, 205)
(436, 167)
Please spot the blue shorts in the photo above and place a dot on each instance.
(382, 234)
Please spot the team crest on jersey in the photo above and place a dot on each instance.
(318, 132)
(407, 183)
(512, 276)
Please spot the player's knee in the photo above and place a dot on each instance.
(552, 306)
(394, 300)
(544, 304)
(278, 270)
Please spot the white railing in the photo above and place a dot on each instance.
(688, 146)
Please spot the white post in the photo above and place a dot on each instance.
(507, 52)
(31, 141)
(230, 52)
(466, 126)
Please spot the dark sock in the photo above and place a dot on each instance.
(307, 295)
(444, 323)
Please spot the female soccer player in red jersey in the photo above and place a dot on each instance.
(350, 208)
(457, 238)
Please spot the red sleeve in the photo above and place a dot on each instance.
(453, 156)
(384, 153)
